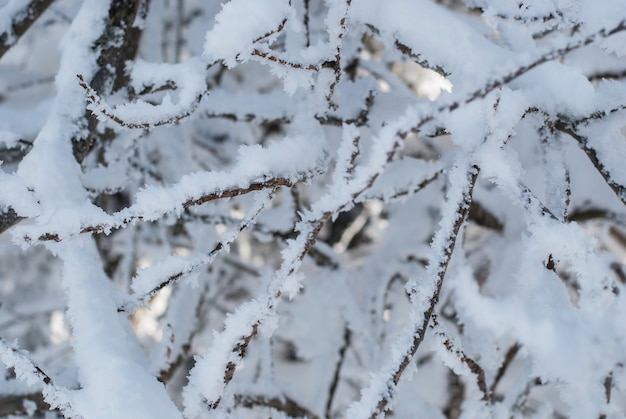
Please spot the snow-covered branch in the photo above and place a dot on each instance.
(17, 17)
(424, 296)
(313, 208)
(30, 373)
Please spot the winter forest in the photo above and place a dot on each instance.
(312, 209)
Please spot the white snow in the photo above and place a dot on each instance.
(258, 224)
(239, 24)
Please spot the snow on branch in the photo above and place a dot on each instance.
(248, 175)
(251, 21)
(132, 115)
(17, 17)
(26, 370)
(137, 213)
(470, 364)
(572, 128)
(244, 323)
(148, 283)
(313, 208)
(424, 295)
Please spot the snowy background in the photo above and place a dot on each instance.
(312, 208)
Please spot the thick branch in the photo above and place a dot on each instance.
(8, 218)
(117, 44)
(21, 21)
(16, 153)
(15, 404)
(120, 42)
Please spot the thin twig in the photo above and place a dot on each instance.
(442, 258)
(278, 30)
(337, 67)
(282, 404)
(520, 71)
(569, 129)
(299, 66)
(219, 247)
(227, 193)
(506, 363)
(347, 337)
(406, 50)
(100, 107)
(471, 364)
(31, 373)
(359, 120)
(405, 192)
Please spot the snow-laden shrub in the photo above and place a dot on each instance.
(312, 208)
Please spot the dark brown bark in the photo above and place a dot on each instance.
(21, 22)
(117, 44)
(8, 218)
